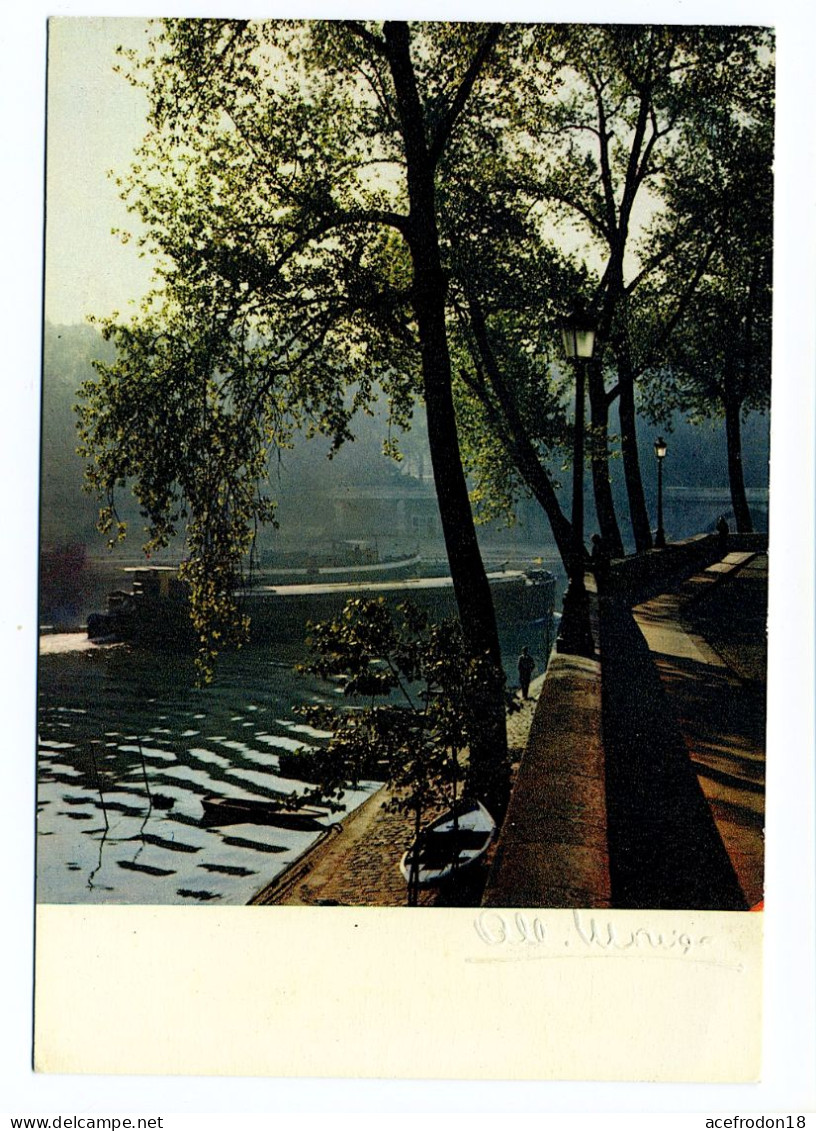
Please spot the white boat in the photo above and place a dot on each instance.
(454, 841)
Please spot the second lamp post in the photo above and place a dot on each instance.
(660, 448)
(575, 635)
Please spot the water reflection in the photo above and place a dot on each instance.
(129, 749)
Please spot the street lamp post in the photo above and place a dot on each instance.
(575, 635)
(660, 448)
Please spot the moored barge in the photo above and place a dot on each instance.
(155, 611)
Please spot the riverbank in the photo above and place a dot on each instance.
(60, 643)
(642, 782)
(357, 863)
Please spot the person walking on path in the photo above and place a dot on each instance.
(526, 664)
(600, 562)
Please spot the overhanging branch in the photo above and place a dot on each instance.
(449, 119)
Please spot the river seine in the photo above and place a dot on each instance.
(127, 749)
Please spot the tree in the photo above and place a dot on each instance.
(596, 120)
(289, 185)
(423, 679)
(510, 397)
(628, 97)
(717, 361)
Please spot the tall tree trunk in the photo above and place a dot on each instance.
(599, 459)
(736, 478)
(536, 478)
(639, 515)
(489, 768)
(513, 434)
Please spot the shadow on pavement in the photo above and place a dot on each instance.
(664, 848)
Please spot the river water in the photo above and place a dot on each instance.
(128, 748)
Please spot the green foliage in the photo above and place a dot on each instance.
(272, 191)
(510, 392)
(423, 681)
(718, 356)
(294, 181)
(611, 115)
(187, 415)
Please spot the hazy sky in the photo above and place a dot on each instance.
(95, 120)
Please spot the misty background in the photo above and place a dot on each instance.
(359, 494)
(96, 121)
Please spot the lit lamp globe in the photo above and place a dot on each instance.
(578, 338)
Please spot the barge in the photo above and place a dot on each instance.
(348, 561)
(155, 610)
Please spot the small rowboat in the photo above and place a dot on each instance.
(454, 841)
(237, 811)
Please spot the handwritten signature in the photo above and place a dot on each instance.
(520, 933)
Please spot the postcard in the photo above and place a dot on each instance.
(403, 666)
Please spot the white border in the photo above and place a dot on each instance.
(788, 1083)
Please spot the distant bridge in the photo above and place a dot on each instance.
(692, 509)
(714, 494)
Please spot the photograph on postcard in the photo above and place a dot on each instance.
(405, 449)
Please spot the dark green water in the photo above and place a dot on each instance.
(127, 749)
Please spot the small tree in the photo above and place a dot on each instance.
(417, 736)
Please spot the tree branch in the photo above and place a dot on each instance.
(338, 220)
(683, 303)
(449, 119)
(368, 37)
(521, 447)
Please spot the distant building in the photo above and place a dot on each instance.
(693, 510)
(403, 509)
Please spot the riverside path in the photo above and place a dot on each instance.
(708, 643)
(642, 785)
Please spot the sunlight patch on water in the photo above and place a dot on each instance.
(283, 742)
(151, 753)
(303, 728)
(259, 778)
(257, 757)
(103, 727)
(186, 773)
(204, 755)
(60, 768)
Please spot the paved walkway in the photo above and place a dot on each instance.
(718, 696)
(642, 783)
